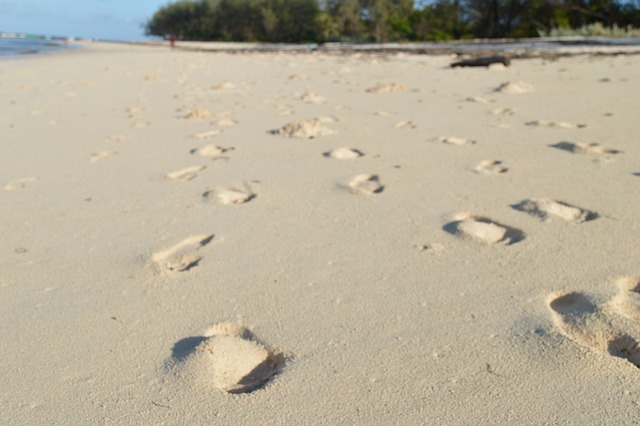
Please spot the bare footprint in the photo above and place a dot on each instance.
(227, 122)
(20, 183)
(186, 174)
(483, 230)
(406, 124)
(198, 114)
(453, 140)
(504, 111)
(581, 148)
(546, 208)
(490, 167)
(304, 129)
(225, 85)
(514, 88)
(560, 124)
(182, 256)
(313, 98)
(387, 88)
(229, 196)
(583, 322)
(627, 301)
(101, 155)
(211, 151)
(343, 153)
(229, 357)
(208, 135)
(115, 138)
(365, 184)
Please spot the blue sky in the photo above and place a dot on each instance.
(106, 19)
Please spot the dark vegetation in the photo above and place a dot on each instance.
(304, 21)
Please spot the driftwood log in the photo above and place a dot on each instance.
(483, 61)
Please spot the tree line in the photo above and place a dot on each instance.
(313, 21)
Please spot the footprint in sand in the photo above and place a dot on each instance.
(453, 140)
(384, 113)
(225, 85)
(365, 184)
(490, 167)
(581, 148)
(387, 88)
(226, 122)
(477, 99)
(20, 183)
(313, 98)
(483, 230)
(182, 256)
(546, 208)
(298, 77)
(230, 196)
(515, 88)
(208, 135)
(198, 114)
(304, 129)
(405, 125)
(559, 124)
(101, 155)
(627, 301)
(230, 357)
(186, 174)
(211, 151)
(504, 111)
(115, 138)
(582, 321)
(343, 153)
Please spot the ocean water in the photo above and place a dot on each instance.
(17, 47)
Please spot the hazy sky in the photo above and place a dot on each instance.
(106, 19)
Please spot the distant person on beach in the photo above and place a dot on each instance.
(172, 38)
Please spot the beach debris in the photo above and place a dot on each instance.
(482, 61)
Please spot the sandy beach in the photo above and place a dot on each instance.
(317, 238)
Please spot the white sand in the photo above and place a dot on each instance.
(402, 286)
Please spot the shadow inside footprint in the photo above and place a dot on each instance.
(582, 321)
(185, 347)
(228, 356)
(625, 347)
(484, 230)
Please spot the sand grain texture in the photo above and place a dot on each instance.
(344, 288)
